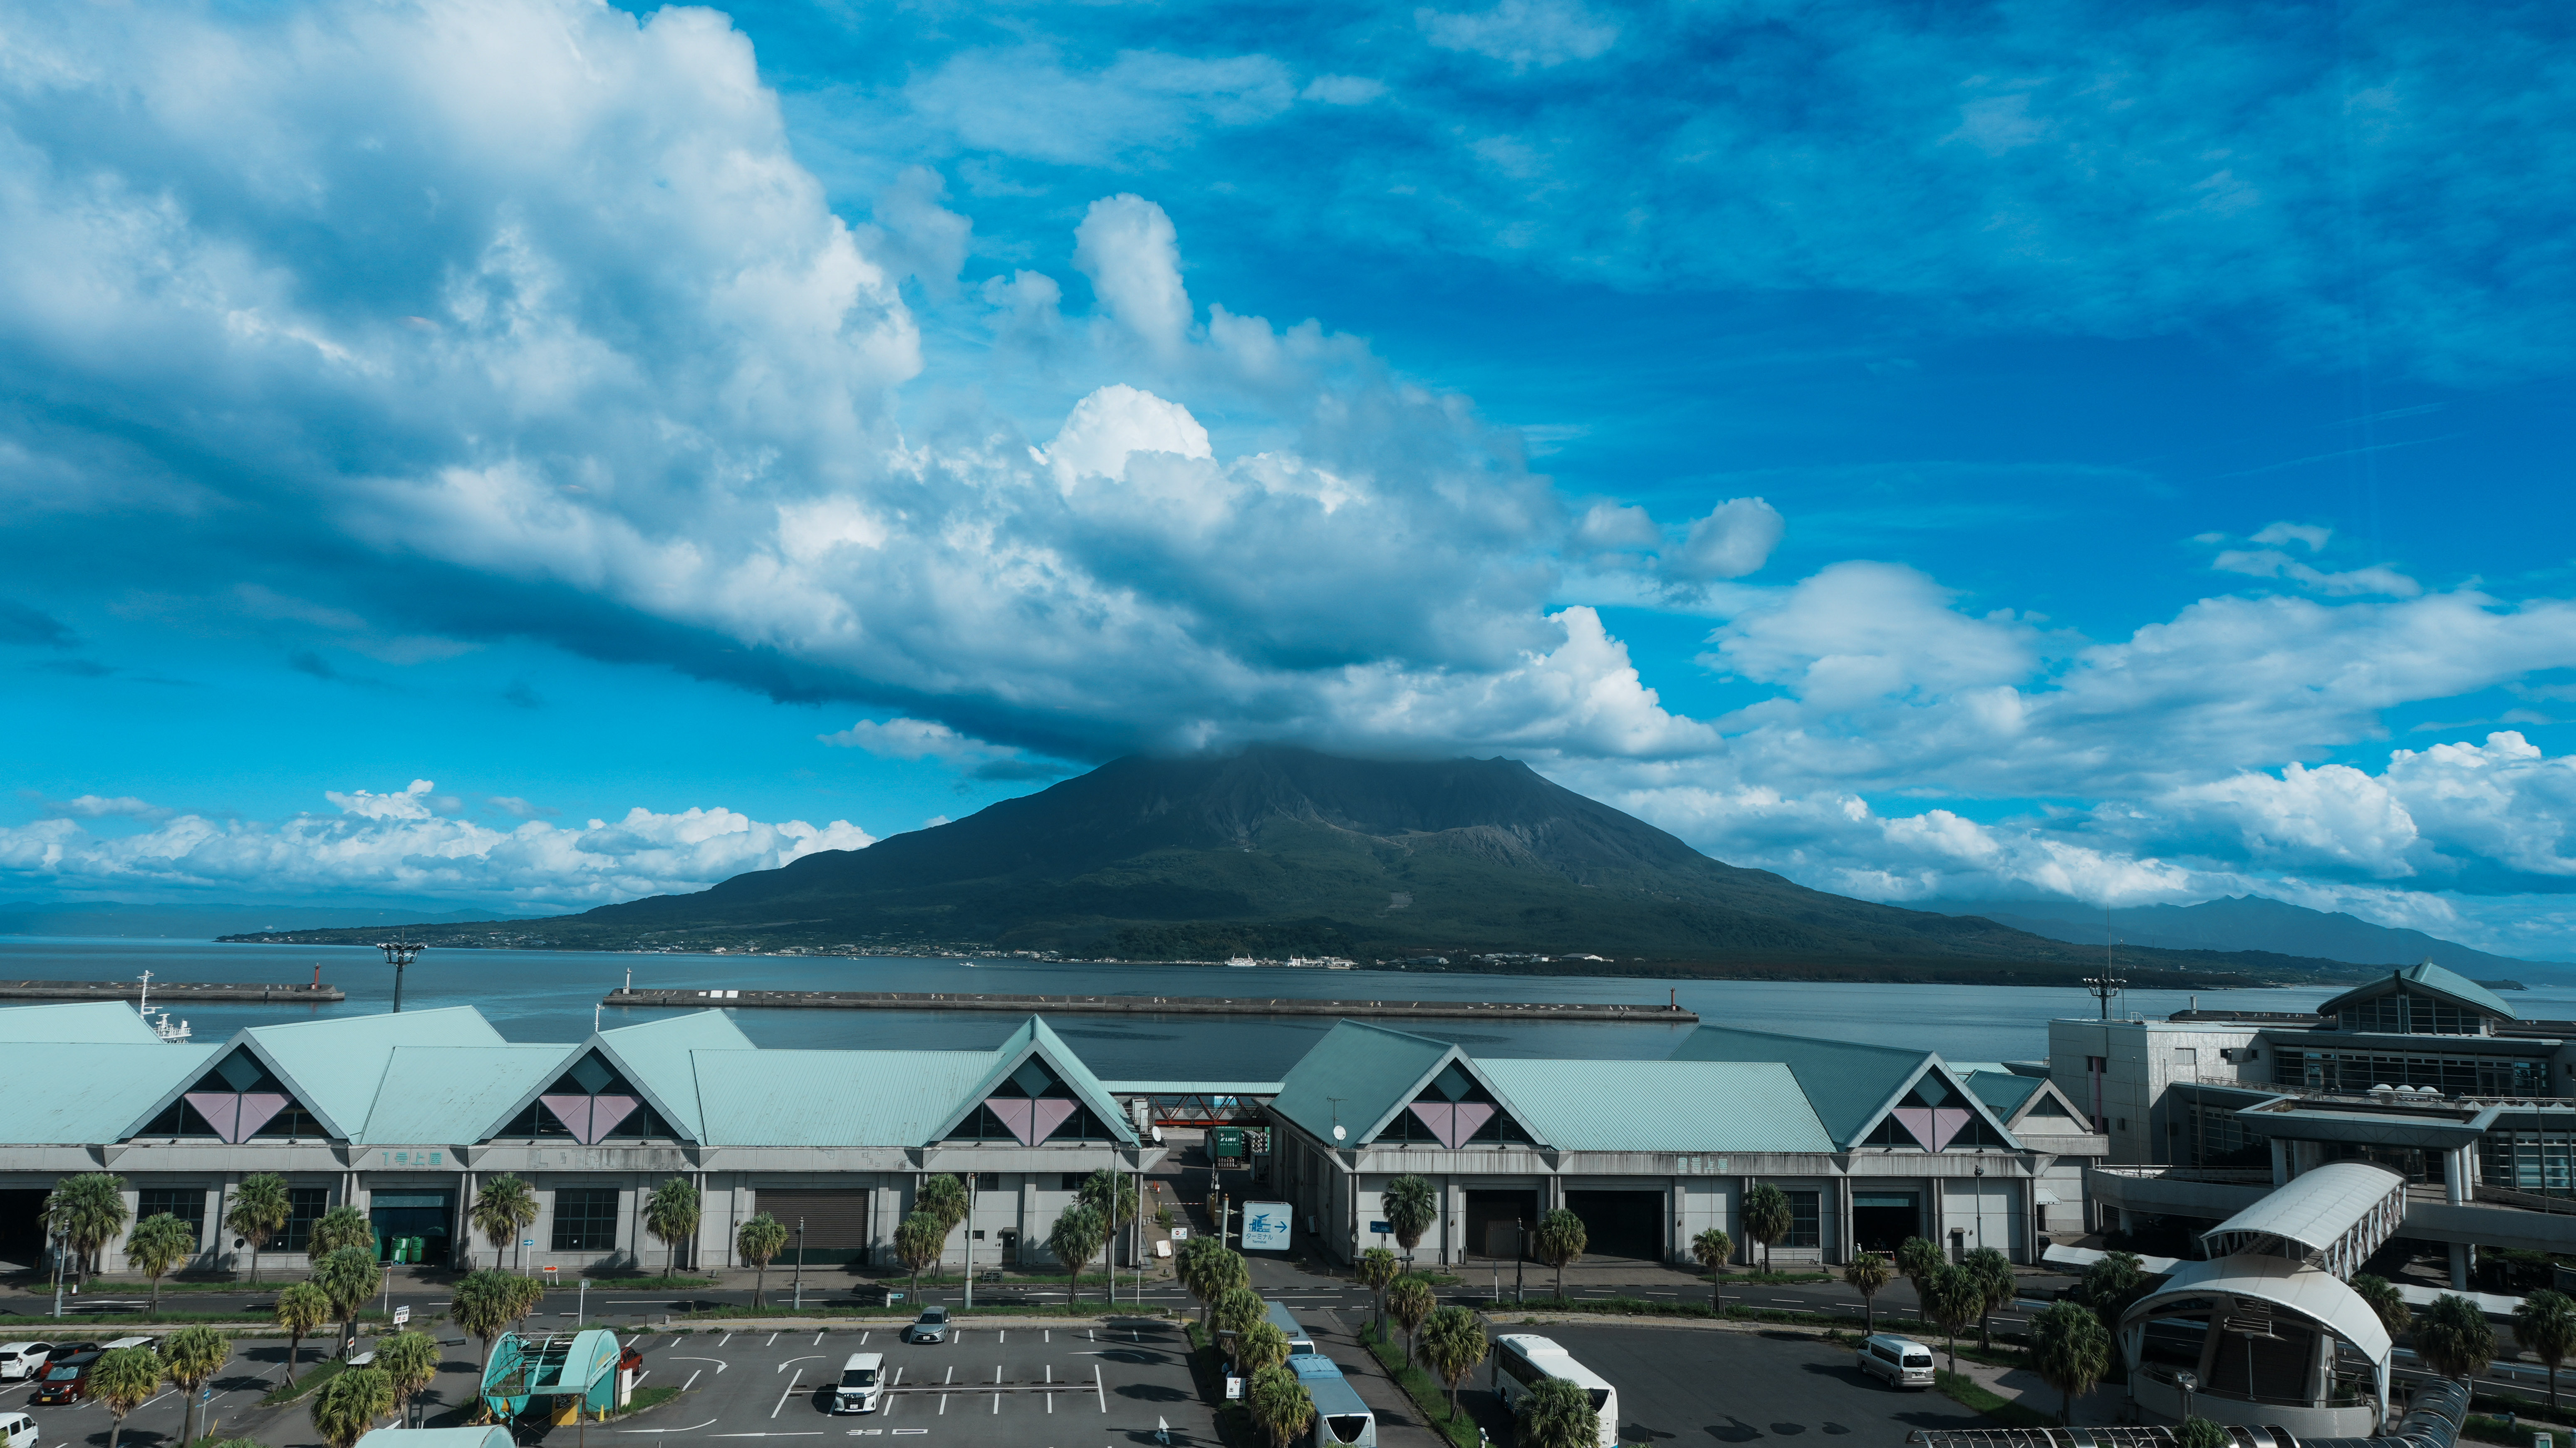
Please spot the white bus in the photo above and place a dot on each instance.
(1521, 1361)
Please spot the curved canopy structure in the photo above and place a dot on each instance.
(2291, 1306)
(582, 1366)
(2334, 1216)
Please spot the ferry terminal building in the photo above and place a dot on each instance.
(405, 1117)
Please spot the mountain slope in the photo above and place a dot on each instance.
(2240, 922)
(1276, 851)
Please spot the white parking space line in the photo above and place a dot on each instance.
(693, 1380)
(773, 1341)
(693, 1427)
(728, 1337)
(863, 1339)
(818, 1339)
(791, 1391)
(1097, 1390)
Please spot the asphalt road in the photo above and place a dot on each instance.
(1694, 1386)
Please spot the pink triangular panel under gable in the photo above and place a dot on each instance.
(222, 1110)
(258, 1108)
(1918, 1120)
(573, 1112)
(1472, 1116)
(605, 1113)
(1015, 1115)
(1947, 1122)
(1440, 1116)
(1050, 1114)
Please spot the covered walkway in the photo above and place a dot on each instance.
(2256, 1335)
(2333, 1217)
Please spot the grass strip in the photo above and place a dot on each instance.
(321, 1373)
(905, 1311)
(1207, 1369)
(1429, 1398)
(631, 1284)
(645, 1398)
(1967, 1392)
(2496, 1430)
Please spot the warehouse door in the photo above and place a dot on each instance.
(836, 1222)
(1621, 1224)
(1494, 1222)
(22, 1227)
(1881, 1221)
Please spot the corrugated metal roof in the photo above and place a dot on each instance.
(105, 1022)
(1036, 1038)
(87, 1093)
(833, 1098)
(2309, 1291)
(1847, 1083)
(495, 1436)
(2001, 1090)
(656, 1057)
(1692, 1106)
(1193, 1088)
(456, 1094)
(1371, 1070)
(2430, 977)
(335, 1066)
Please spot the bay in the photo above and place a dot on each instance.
(552, 995)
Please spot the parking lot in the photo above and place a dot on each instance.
(1698, 1386)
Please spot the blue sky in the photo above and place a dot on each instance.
(1969, 452)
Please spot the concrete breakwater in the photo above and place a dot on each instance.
(1143, 1005)
(165, 992)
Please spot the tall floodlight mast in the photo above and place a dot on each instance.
(398, 953)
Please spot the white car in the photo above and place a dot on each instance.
(1900, 1362)
(17, 1430)
(22, 1359)
(862, 1384)
(153, 1343)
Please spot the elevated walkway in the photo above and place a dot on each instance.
(2333, 1217)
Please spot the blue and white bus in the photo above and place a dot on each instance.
(1299, 1339)
(1341, 1419)
(1523, 1360)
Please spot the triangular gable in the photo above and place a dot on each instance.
(1451, 1123)
(2076, 1121)
(1035, 1041)
(336, 1067)
(653, 1057)
(237, 1090)
(2425, 979)
(1935, 1107)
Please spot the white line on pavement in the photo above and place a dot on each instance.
(791, 1391)
(728, 1337)
(773, 1341)
(693, 1427)
(720, 1363)
(1097, 1390)
(693, 1379)
(792, 1362)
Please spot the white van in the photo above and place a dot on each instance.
(22, 1359)
(1902, 1361)
(17, 1430)
(1522, 1361)
(862, 1384)
(153, 1343)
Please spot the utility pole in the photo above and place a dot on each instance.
(398, 954)
(970, 1239)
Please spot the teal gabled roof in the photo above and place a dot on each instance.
(1688, 1106)
(88, 1093)
(1850, 1086)
(655, 1056)
(2002, 1091)
(1036, 1038)
(335, 1066)
(836, 1098)
(456, 1094)
(2429, 978)
(71, 1022)
(1359, 1076)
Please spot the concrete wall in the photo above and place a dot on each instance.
(2143, 1058)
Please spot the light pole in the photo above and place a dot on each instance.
(799, 1277)
(2187, 1382)
(398, 953)
(1520, 1286)
(970, 1239)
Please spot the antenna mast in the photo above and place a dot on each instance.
(2109, 983)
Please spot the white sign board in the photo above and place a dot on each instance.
(1233, 1388)
(1180, 1234)
(1265, 1226)
(402, 1315)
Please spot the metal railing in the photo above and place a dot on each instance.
(2221, 1175)
(2527, 1201)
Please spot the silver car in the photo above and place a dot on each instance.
(931, 1326)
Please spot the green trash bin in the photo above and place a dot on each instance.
(419, 1250)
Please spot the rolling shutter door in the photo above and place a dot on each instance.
(835, 1221)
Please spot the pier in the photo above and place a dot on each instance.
(1142, 1005)
(167, 992)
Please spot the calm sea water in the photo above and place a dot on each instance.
(550, 996)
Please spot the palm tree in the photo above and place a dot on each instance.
(2545, 1324)
(1712, 1248)
(337, 1228)
(1259, 1346)
(1236, 1312)
(1918, 1260)
(348, 1276)
(1560, 1239)
(2452, 1338)
(1454, 1342)
(671, 1215)
(484, 1304)
(1210, 1269)
(503, 1208)
(943, 1196)
(86, 1211)
(1375, 1269)
(261, 1209)
(2385, 1304)
(2200, 1432)
(1113, 1195)
(189, 1357)
(764, 1237)
(1410, 1301)
(1992, 1272)
(1079, 1231)
(122, 1380)
(918, 1242)
(1953, 1299)
(1556, 1414)
(1867, 1273)
(349, 1405)
(2070, 1351)
(2111, 1284)
(1279, 1404)
(408, 1360)
(1411, 1205)
(1767, 1217)
(160, 1242)
(301, 1309)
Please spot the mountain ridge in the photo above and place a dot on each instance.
(1275, 850)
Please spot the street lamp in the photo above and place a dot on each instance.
(2187, 1382)
(799, 1278)
(398, 953)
